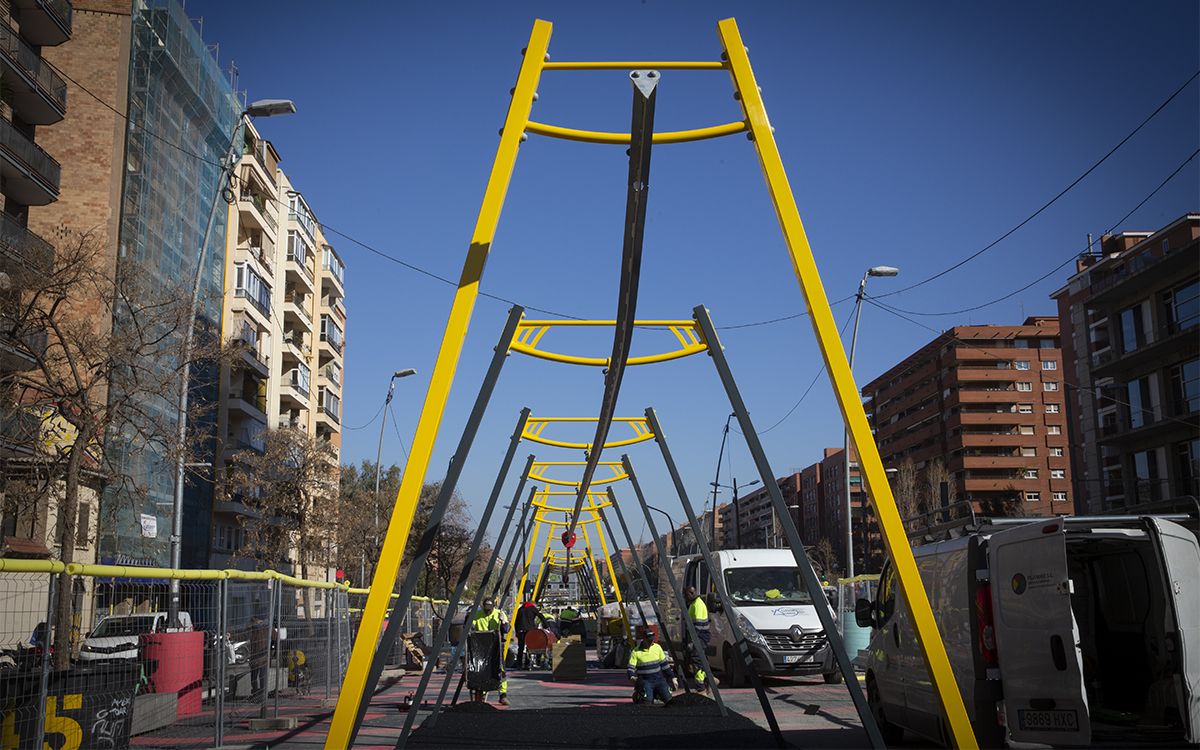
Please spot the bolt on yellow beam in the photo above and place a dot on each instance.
(848, 398)
(354, 684)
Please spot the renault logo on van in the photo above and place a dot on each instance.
(796, 634)
(1018, 584)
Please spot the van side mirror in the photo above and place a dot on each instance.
(864, 613)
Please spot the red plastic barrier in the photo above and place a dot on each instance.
(178, 668)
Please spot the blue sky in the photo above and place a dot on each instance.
(914, 134)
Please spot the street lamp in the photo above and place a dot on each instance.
(712, 522)
(260, 108)
(858, 299)
(774, 523)
(379, 452)
(737, 515)
(670, 521)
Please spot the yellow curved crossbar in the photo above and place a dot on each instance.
(534, 427)
(539, 477)
(530, 332)
(622, 139)
(636, 65)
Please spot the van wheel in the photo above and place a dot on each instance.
(735, 671)
(892, 734)
(832, 678)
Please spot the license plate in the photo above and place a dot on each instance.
(1062, 720)
(794, 658)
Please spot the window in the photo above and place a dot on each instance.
(1145, 471)
(1033, 497)
(1054, 430)
(1049, 364)
(249, 285)
(885, 597)
(84, 529)
(331, 332)
(1058, 473)
(1183, 306)
(1058, 497)
(1050, 385)
(1022, 364)
(1025, 408)
(1188, 457)
(1047, 344)
(1056, 452)
(1021, 344)
(1052, 408)
(1031, 474)
(1138, 395)
(1132, 335)
(1024, 386)
(1026, 429)
(1185, 387)
(1028, 451)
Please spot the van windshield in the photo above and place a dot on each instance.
(765, 586)
(118, 626)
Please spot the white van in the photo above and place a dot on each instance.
(1060, 631)
(116, 637)
(773, 609)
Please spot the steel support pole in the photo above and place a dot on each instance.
(438, 511)
(587, 548)
(345, 717)
(460, 586)
(641, 140)
(491, 566)
(636, 559)
(629, 584)
(718, 585)
(676, 589)
(278, 644)
(848, 507)
(223, 648)
(504, 579)
(330, 604)
(849, 400)
(272, 585)
(44, 676)
(812, 584)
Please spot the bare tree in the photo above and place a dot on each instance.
(936, 474)
(825, 559)
(291, 490)
(105, 348)
(907, 490)
(1006, 505)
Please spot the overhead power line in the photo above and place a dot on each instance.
(1053, 200)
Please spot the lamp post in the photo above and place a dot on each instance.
(379, 454)
(260, 108)
(774, 525)
(712, 522)
(670, 521)
(737, 515)
(858, 299)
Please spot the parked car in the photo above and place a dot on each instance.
(771, 606)
(1060, 631)
(116, 636)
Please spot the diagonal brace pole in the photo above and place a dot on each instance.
(706, 555)
(438, 511)
(812, 584)
(468, 563)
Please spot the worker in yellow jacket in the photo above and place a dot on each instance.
(489, 619)
(650, 669)
(698, 612)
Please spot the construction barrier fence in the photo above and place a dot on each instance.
(104, 666)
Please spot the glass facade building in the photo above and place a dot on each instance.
(177, 95)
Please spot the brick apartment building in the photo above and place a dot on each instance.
(1130, 340)
(989, 401)
(754, 517)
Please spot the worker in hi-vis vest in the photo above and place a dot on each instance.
(650, 669)
(489, 619)
(698, 612)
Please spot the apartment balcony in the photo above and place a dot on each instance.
(1141, 274)
(251, 405)
(1171, 344)
(253, 353)
(248, 435)
(296, 346)
(1003, 485)
(29, 175)
(286, 422)
(20, 348)
(985, 374)
(332, 337)
(46, 23)
(331, 375)
(329, 410)
(333, 280)
(39, 95)
(1175, 425)
(980, 396)
(255, 157)
(991, 462)
(296, 312)
(258, 212)
(297, 266)
(990, 418)
(260, 304)
(296, 389)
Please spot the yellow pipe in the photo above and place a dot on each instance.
(10, 565)
(587, 541)
(612, 574)
(847, 394)
(540, 464)
(572, 359)
(618, 139)
(643, 437)
(421, 450)
(604, 324)
(636, 65)
(539, 420)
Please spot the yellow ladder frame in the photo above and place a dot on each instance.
(737, 62)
